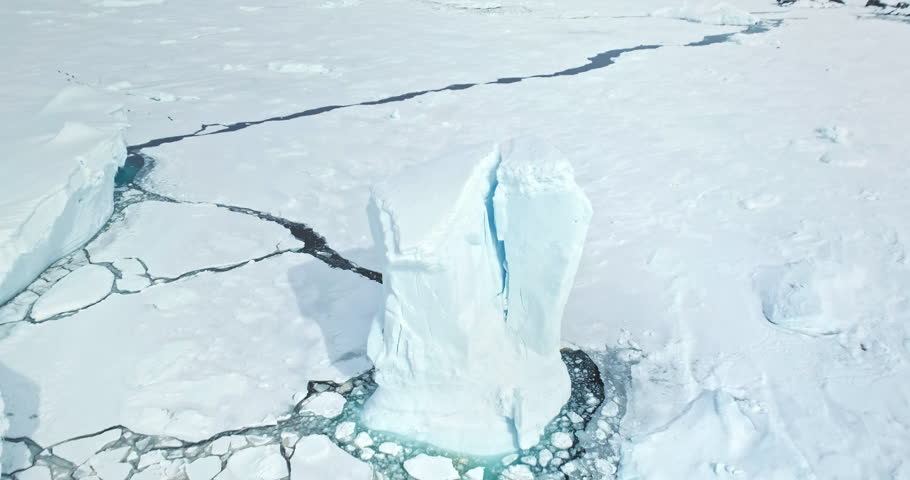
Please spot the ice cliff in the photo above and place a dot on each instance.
(480, 252)
(58, 165)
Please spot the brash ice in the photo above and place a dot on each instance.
(480, 250)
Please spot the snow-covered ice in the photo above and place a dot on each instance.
(285, 331)
(480, 251)
(83, 287)
(204, 469)
(260, 463)
(326, 404)
(716, 435)
(58, 166)
(746, 272)
(317, 458)
(426, 467)
(141, 235)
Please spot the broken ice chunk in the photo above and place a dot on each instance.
(317, 458)
(261, 463)
(425, 467)
(326, 404)
(82, 288)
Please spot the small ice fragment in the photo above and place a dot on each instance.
(474, 474)
(544, 457)
(518, 472)
(390, 448)
(425, 467)
(345, 431)
(562, 440)
(363, 440)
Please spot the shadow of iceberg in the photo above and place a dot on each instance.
(343, 304)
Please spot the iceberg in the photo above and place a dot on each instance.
(58, 169)
(479, 251)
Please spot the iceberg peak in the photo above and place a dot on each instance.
(480, 251)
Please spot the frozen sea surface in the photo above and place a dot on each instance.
(743, 285)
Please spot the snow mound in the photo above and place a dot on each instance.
(717, 14)
(58, 179)
(715, 436)
(480, 251)
(807, 297)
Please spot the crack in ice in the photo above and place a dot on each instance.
(598, 61)
(596, 381)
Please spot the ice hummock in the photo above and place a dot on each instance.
(58, 181)
(480, 250)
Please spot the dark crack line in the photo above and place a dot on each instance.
(598, 61)
(314, 244)
(141, 452)
(138, 164)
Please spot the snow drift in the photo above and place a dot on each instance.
(58, 178)
(480, 252)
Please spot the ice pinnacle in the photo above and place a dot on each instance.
(480, 250)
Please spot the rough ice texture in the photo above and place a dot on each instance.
(57, 182)
(480, 251)
(716, 14)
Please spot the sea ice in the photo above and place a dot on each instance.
(261, 463)
(317, 458)
(480, 251)
(79, 289)
(57, 182)
(715, 437)
(326, 404)
(426, 467)
(204, 469)
(148, 232)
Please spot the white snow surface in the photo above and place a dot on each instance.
(427, 467)
(58, 163)
(326, 404)
(259, 463)
(720, 176)
(316, 458)
(141, 235)
(480, 248)
(81, 288)
(220, 352)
